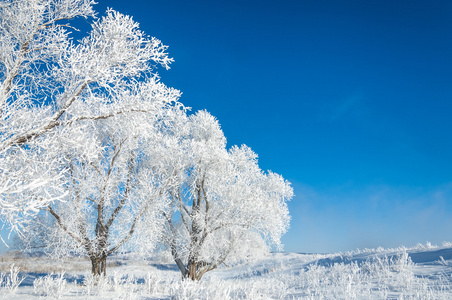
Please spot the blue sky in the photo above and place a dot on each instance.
(348, 100)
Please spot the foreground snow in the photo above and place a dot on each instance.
(423, 272)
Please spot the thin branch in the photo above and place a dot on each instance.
(97, 170)
(100, 117)
(117, 150)
(62, 226)
(220, 260)
(137, 217)
(80, 224)
(90, 199)
(50, 124)
(112, 163)
(126, 192)
(206, 214)
(6, 86)
(224, 225)
(181, 205)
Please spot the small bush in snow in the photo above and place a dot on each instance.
(10, 282)
(50, 286)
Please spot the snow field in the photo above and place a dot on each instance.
(417, 273)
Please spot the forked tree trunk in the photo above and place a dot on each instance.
(196, 270)
(99, 266)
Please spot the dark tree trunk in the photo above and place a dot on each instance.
(99, 266)
(196, 269)
(192, 268)
(182, 268)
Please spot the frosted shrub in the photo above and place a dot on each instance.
(152, 284)
(403, 266)
(379, 277)
(213, 289)
(96, 285)
(443, 262)
(118, 286)
(268, 288)
(125, 288)
(394, 272)
(50, 286)
(10, 282)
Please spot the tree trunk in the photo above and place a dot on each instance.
(99, 266)
(192, 266)
(196, 270)
(103, 266)
(182, 268)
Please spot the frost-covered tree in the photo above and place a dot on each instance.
(115, 187)
(49, 82)
(223, 204)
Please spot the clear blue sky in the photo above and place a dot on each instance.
(351, 101)
(348, 100)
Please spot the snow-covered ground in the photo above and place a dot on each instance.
(422, 272)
